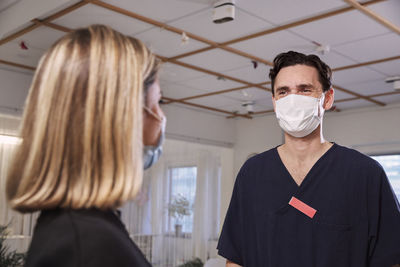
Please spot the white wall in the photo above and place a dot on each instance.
(373, 130)
(200, 127)
(255, 136)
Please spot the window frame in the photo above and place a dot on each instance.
(169, 232)
(391, 153)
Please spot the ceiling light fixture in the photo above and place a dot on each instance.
(249, 105)
(224, 11)
(396, 82)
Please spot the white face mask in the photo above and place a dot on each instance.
(299, 115)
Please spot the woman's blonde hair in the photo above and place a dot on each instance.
(82, 125)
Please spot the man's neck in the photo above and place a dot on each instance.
(306, 148)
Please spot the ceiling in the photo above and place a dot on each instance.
(223, 66)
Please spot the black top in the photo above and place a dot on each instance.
(356, 224)
(82, 238)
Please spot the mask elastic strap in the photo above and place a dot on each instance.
(321, 110)
(321, 105)
(153, 114)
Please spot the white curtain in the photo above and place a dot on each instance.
(20, 226)
(147, 217)
(207, 208)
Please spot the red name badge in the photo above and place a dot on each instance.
(303, 207)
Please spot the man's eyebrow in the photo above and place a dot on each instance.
(305, 86)
(282, 88)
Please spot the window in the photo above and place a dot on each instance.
(391, 164)
(182, 192)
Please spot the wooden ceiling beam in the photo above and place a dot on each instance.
(276, 29)
(176, 30)
(153, 22)
(347, 91)
(298, 23)
(217, 74)
(246, 55)
(373, 15)
(374, 95)
(357, 96)
(336, 101)
(346, 99)
(19, 33)
(217, 92)
(335, 69)
(385, 94)
(206, 107)
(164, 98)
(209, 94)
(52, 25)
(38, 23)
(22, 66)
(224, 45)
(366, 63)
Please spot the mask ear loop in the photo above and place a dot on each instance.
(162, 120)
(321, 112)
(153, 114)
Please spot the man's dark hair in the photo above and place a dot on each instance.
(292, 58)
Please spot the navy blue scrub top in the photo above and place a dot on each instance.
(356, 224)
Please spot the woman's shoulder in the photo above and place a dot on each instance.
(88, 237)
(79, 225)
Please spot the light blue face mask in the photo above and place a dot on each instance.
(151, 154)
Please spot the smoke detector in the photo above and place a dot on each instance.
(224, 11)
(396, 82)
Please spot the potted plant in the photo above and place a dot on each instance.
(193, 263)
(179, 208)
(9, 258)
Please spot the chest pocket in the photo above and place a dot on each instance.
(331, 243)
(297, 240)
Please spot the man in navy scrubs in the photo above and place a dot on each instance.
(309, 202)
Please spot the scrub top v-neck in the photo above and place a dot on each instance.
(356, 218)
(297, 187)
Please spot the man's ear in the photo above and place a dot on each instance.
(273, 102)
(329, 99)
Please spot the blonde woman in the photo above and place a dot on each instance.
(91, 111)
